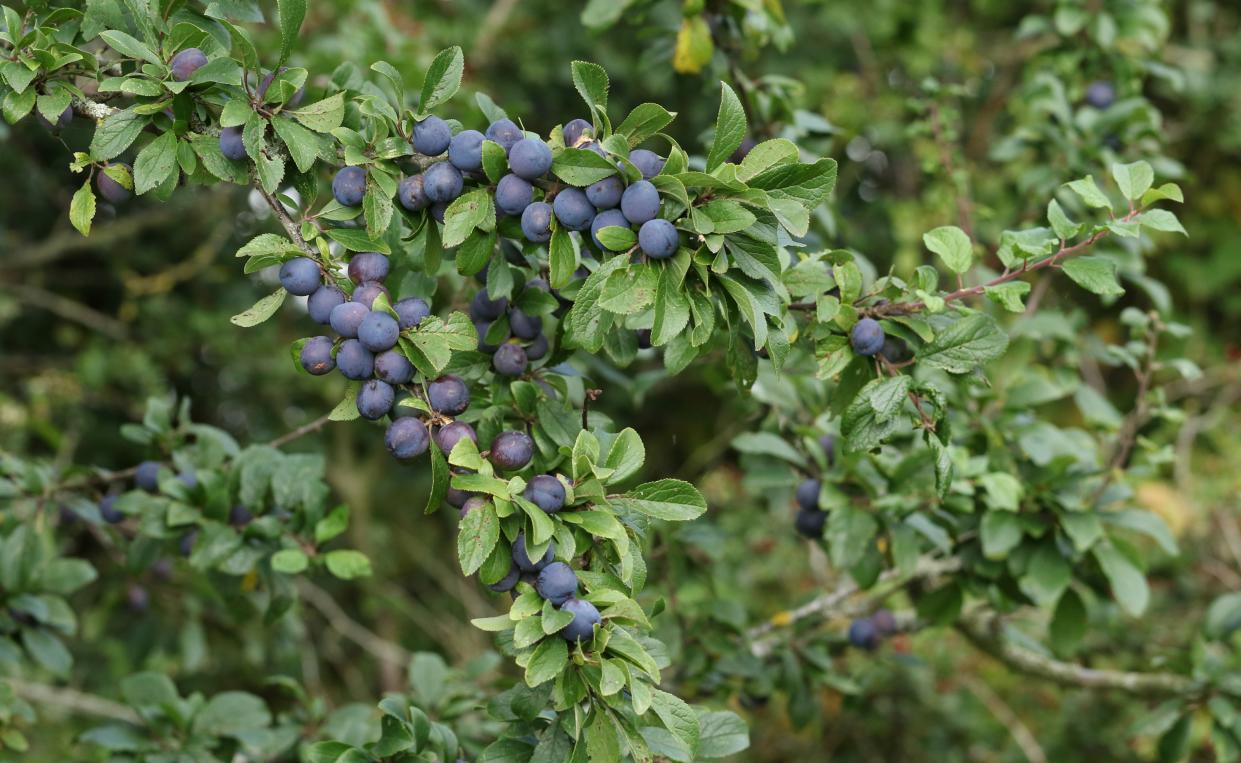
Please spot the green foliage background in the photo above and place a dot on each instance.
(90, 328)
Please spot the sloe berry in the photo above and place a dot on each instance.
(484, 308)
(523, 560)
(410, 311)
(536, 222)
(108, 511)
(808, 495)
(367, 292)
(510, 360)
(573, 209)
(585, 618)
(508, 582)
(513, 194)
(648, 163)
(349, 186)
(406, 438)
(640, 202)
(606, 193)
(442, 182)
(323, 301)
(146, 477)
(810, 523)
(112, 191)
(378, 331)
(300, 276)
(185, 63)
(431, 136)
(546, 492)
(346, 317)
(658, 239)
(511, 451)
(448, 395)
(450, 434)
(354, 360)
(240, 516)
(505, 132)
(866, 337)
(316, 356)
(465, 151)
(574, 129)
(231, 145)
(524, 326)
(863, 634)
(530, 158)
(368, 266)
(557, 583)
(393, 367)
(1100, 94)
(411, 194)
(608, 218)
(537, 349)
(375, 399)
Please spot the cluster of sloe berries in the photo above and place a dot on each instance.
(554, 581)
(810, 515)
(527, 191)
(868, 632)
(525, 340)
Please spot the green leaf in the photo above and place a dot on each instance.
(116, 133)
(476, 537)
(768, 444)
(850, 535)
(261, 311)
(1161, 220)
(1128, 583)
(721, 733)
(1090, 193)
(965, 345)
(694, 46)
(290, 561)
(1008, 295)
(149, 689)
(643, 122)
(669, 499)
(356, 240)
(625, 456)
(232, 713)
(591, 82)
(677, 717)
(952, 246)
(292, 13)
(442, 80)
(616, 238)
(549, 658)
(474, 210)
(872, 416)
(1094, 274)
(1224, 616)
(1001, 533)
(1060, 222)
(495, 160)
(1068, 623)
(305, 147)
(579, 167)
(1134, 179)
(347, 564)
(332, 525)
(128, 46)
(730, 128)
(322, 116)
(47, 650)
(562, 258)
(156, 162)
(82, 208)
(347, 408)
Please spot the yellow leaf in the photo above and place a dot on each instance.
(694, 46)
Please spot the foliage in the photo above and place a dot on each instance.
(964, 390)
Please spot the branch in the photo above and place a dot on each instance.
(985, 631)
(761, 643)
(287, 222)
(70, 310)
(351, 629)
(303, 430)
(1008, 717)
(73, 700)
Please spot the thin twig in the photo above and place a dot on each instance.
(70, 310)
(73, 700)
(1005, 715)
(302, 431)
(1127, 437)
(351, 629)
(985, 631)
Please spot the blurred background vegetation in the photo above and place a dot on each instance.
(89, 328)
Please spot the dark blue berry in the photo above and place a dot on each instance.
(410, 311)
(393, 367)
(557, 583)
(346, 317)
(465, 151)
(368, 266)
(300, 276)
(355, 361)
(349, 186)
(231, 145)
(640, 202)
(442, 182)
(406, 438)
(375, 399)
(573, 209)
(866, 337)
(510, 360)
(448, 395)
(511, 451)
(185, 63)
(431, 136)
(658, 239)
(530, 158)
(323, 301)
(585, 618)
(536, 222)
(513, 195)
(378, 331)
(546, 492)
(316, 356)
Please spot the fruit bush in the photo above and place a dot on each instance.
(958, 400)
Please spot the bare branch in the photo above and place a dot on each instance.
(351, 629)
(73, 700)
